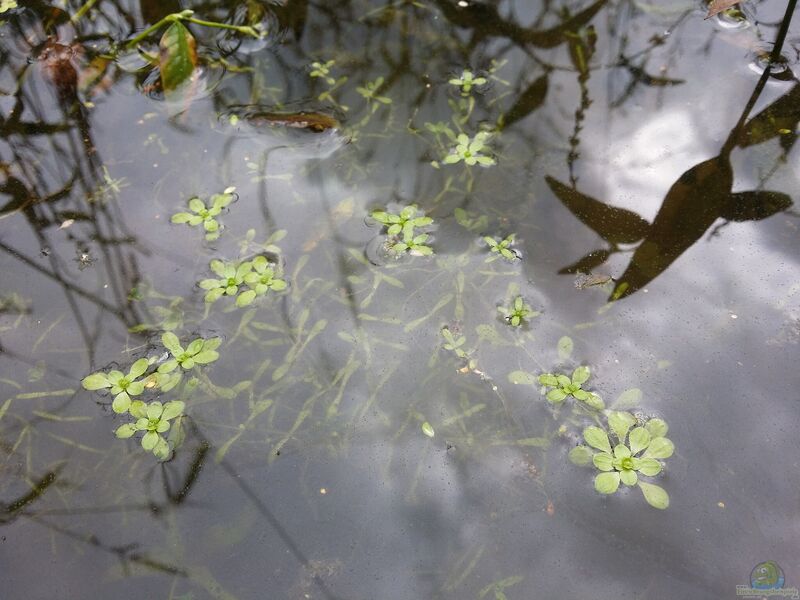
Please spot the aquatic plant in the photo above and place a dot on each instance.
(454, 344)
(154, 419)
(518, 313)
(201, 213)
(369, 91)
(401, 230)
(122, 386)
(500, 248)
(198, 352)
(471, 221)
(469, 150)
(323, 71)
(637, 451)
(259, 275)
(564, 386)
(466, 81)
(231, 278)
(261, 279)
(413, 245)
(405, 221)
(320, 70)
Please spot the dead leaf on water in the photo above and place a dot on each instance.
(717, 6)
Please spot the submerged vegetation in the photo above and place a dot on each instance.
(402, 230)
(206, 215)
(153, 417)
(501, 248)
(564, 386)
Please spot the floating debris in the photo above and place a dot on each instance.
(584, 281)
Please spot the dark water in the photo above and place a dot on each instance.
(636, 133)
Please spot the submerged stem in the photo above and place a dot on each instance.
(83, 10)
(240, 28)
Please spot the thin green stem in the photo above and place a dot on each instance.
(240, 28)
(83, 10)
(186, 15)
(168, 19)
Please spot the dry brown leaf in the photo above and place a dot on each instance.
(717, 6)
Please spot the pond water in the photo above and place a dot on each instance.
(346, 442)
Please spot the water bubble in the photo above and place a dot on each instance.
(759, 59)
(738, 17)
(377, 251)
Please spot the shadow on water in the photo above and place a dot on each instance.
(701, 196)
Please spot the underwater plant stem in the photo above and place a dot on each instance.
(83, 10)
(185, 14)
(246, 30)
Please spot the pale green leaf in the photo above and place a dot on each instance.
(172, 409)
(603, 461)
(597, 438)
(606, 483)
(594, 401)
(125, 431)
(121, 403)
(580, 375)
(181, 217)
(138, 368)
(427, 429)
(565, 347)
(620, 423)
(96, 381)
(657, 427)
(135, 388)
(649, 466)
(621, 451)
(638, 439)
(521, 378)
(150, 439)
(172, 343)
(245, 298)
(154, 410)
(206, 356)
(195, 346)
(628, 399)
(659, 447)
(161, 450)
(580, 455)
(138, 409)
(655, 495)
(212, 343)
(548, 380)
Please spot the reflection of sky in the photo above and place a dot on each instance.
(406, 517)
